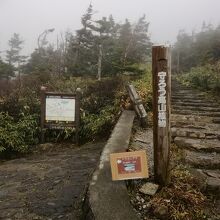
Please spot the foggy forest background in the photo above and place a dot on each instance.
(100, 58)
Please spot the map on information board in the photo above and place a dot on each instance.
(59, 108)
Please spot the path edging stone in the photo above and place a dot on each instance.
(107, 199)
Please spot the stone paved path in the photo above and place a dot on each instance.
(47, 185)
(196, 130)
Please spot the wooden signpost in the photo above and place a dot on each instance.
(60, 111)
(129, 165)
(161, 70)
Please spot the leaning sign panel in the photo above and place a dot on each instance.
(129, 165)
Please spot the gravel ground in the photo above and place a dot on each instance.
(47, 185)
(142, 140)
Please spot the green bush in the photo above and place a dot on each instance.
(100, 104)
(144, 89)
(205, 77)
(17, 136)
(100, 108)
(98, 125)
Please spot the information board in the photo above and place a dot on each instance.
(129, 165)
(60, 111)
(60, 108)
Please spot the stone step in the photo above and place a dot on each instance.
(180, 87)
(187, 124)
(187, 97)
(196, 104)
(194, 121)
(201, 145)
(196, 108)
(173, 100)
(213, 186)
(186, 92)
(209, 128)
(202, 160)
(195, 132)
(198, 113)
(216, 120)
(191, 100)
(191, 118)
(209, 181)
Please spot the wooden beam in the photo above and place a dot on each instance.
(138, 104)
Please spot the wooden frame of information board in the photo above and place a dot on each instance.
(48, 123)
(129, 165)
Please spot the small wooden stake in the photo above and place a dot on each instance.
(161, 70)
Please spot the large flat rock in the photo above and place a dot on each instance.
(209, 181)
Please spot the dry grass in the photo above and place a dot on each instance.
(182, 197)
(180, 200)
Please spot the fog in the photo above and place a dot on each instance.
(30, 18)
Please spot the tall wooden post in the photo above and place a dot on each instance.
(161, 70)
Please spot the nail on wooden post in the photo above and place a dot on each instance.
(161, 71)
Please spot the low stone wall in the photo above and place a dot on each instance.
(107, 199)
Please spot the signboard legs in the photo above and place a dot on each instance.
(161, 70)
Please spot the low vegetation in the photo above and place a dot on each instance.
(181, 199)
(102, 103)
(17, 135)
(206, 78)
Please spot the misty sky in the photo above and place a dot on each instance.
(29, 18)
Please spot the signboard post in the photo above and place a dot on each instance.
(161, 70)
(59, 111)
(42, 118)
(129, 165)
